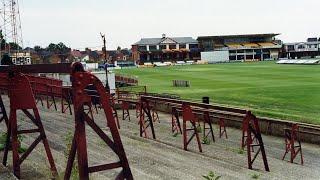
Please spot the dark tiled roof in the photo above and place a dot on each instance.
(94, 54)
(112, 53)
(155, 41)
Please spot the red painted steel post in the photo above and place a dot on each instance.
(188, 116)
(125, 110)
(291, 137)
(22, 98)
(207, 120)
(114, 111)
(253, 132)
(80, 80)
(222, 128)
(155, 115)
(248, 144)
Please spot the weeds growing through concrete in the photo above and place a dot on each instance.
(206, 140)
(68, 142)
(3, 138)
(255, 176)
(211, 176)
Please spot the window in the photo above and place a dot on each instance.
(301, 46)
(163, 47)
(142, 48)
(172, 46)
(257, 51)
(182, 46)
(152, 48)
(192, 46)
(290, 47)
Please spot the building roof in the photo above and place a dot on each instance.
(239, 36)
(156, 41)
(76, 53)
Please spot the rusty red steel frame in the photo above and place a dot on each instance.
(251, 124)
(188, 116)
(22, 97)
(293, 143)
(80, 80)
(189, 109)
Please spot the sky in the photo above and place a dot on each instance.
(78, 23)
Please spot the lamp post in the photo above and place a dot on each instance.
(103, 36)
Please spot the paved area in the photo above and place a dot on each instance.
(163, 158)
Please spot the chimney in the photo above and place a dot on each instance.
(163, 36)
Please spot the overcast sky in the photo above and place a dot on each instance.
(78, 23)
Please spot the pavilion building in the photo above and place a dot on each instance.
(165, 49)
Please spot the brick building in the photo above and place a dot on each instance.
(165, 49)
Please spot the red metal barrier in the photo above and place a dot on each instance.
(175, 122)
(251, 125)
(126, 79)
(114, 111)
(188, 116)
(125, 110)
(155, 115)
(66, 100)
(291, 138)
(251, 129)
(22, 98)
(48, 87)
(80, 80)
(146, 120)
(222, 128)
(207, 120)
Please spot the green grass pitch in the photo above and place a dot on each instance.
(290, 92)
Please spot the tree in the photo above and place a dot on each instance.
(38, 49)
(59, 49)
(118, 48)
(14, 46)
(4, 44)
(3, 41)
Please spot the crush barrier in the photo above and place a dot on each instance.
(22, 97)
(191, 109)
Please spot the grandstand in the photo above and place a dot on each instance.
(250, 47)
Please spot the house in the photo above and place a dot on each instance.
(75, 55)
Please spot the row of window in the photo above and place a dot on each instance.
(302, 46)
(249, 51)
(242, 57)
(171, 46)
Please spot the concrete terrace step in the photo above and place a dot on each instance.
(5, 173)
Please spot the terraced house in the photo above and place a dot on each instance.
(165, 49)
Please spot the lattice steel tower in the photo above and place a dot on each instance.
(10, 24)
